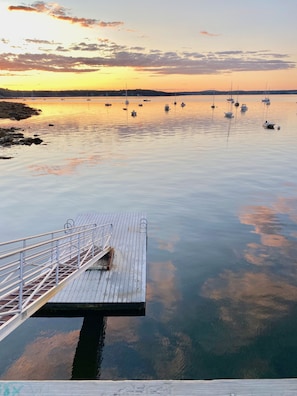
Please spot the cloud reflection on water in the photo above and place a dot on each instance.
(69, 168)
(251, 299)
(39, 359)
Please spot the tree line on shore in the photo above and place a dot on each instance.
(9, 94)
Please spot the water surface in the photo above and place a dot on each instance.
(220, 197)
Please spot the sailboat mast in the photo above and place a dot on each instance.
(126, 101)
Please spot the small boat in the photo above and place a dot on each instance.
(166, 108)
(268, 125)
(229, 114)
(133, 113)
(266, 100)
(243, 107)
(107, 104)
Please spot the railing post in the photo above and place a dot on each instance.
(70, 245)
(52, 248)
(93, 241)
(22, 254)
(78, 248)
(58, 262)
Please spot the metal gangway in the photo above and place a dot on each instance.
(34, 269)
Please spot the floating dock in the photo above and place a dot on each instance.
(114, 286)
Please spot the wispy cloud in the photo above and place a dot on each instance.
(58, 12)
(205, 33)
(37, 41)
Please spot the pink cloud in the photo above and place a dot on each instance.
(205, 33)
(58, 12)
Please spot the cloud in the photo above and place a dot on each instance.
(21, 8)
(36, 41)
(110, 24)
(88, 57)
(205, 33)
(46, 62)
(58, 12)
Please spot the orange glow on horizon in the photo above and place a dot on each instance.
(118, 79)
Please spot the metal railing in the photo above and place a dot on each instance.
(34, 265)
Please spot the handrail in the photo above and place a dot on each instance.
(10, 253)
(24, 249)
(47, 263)
(43, 234)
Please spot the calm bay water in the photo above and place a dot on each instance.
(221, 201)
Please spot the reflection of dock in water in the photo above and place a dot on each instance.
(88, 355)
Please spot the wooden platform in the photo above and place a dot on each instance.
(119, 290)
(258, 387)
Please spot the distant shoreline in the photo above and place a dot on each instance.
(12, 94)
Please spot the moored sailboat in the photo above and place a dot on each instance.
(230, 99)
(126, 101)
(266, 99)
(213, 101)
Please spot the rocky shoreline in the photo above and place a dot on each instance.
(16, 111)
(13, 136)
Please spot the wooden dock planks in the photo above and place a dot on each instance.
(228, 387)
(120, 290)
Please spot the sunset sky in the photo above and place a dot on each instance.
(166, 45)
